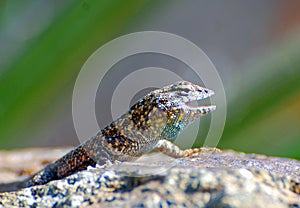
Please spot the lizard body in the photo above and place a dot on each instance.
(152, 123)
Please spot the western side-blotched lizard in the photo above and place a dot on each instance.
(152, 123)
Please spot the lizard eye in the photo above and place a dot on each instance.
(185, 90)
(161, 106)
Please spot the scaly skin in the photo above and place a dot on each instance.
(152, 123)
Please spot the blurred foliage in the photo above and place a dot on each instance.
(263, 113)
(54, 57)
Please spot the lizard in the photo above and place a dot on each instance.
(153, 122)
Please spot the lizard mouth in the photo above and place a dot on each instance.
(198, 96)
(194, 106)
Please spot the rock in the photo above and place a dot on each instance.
(225, 179)
(17, 164)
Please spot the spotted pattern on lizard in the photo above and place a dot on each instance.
(153, 122)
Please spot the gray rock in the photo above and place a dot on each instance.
(226, 179)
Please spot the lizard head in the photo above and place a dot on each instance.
(178, 104)
(168, 110)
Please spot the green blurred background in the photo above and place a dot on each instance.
(255, 46)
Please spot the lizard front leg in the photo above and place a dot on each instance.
(174, 151)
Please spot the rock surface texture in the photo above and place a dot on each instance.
(225, 179)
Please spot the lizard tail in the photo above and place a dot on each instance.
(76, 160)
(13, 186)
